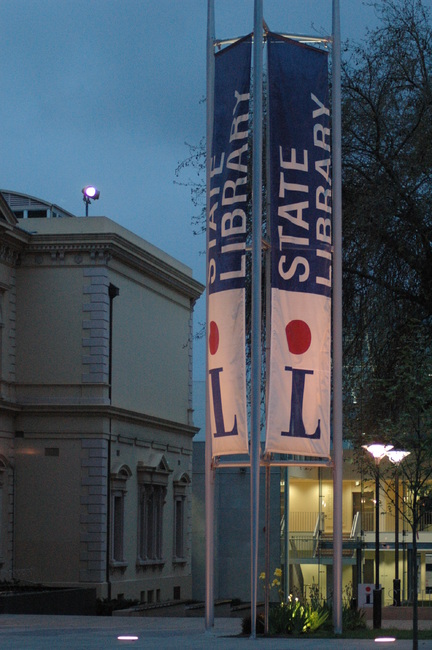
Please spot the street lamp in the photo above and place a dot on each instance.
(90, 192)
(378, 452)
(396, 457)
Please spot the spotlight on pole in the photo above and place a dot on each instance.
(91, 193)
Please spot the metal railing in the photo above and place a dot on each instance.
(306, 522)
(302, 521)
(301, 546)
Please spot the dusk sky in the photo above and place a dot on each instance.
(108, 92)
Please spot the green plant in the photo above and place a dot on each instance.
(276, 582)
(294, 617)
(314, 596)
(352, 618)
(317, 618)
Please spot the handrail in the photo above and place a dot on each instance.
(355, 528)
(319, 526)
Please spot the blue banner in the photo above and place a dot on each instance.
(226, 254)
(298, 420)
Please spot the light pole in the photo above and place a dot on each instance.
(378, 452)
(396, 457)
(90, 193)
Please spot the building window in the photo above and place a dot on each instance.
(153, 482)
(179, 527)
(119, 477)
(179, 546)
(117, 531)
(4, 465)
(151, 522)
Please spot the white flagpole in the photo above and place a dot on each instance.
(209, 471)
(256, 300)
(337, 321)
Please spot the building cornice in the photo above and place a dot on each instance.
(104, 411)
(104, 247)
(12, 243)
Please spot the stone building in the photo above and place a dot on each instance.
(96, 421)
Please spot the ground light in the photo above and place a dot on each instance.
(127, 637)
(385, 639)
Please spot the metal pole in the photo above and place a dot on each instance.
(377, 590)
(209, 470)
(267, 550)
(256, 300)
(267, 249)
(396, 581)
(337, 320)
(286, 537)
(404, 585)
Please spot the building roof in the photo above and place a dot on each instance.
(45, 225)
(6, 213)
(26, 206)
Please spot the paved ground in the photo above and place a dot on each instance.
(20, 632)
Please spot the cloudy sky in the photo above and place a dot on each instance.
(109, 91)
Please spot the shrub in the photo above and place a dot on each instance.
(293, 617)
(105, 607)
(352, 618)
(247, 624)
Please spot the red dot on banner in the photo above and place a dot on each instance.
(298, 336)
(213, 337)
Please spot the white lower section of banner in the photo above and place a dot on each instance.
(299, 367)
(226, 381)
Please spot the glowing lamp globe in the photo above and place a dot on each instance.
(396, 456)
(378, 451)
(90, 192)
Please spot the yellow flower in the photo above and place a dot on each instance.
(278, 573)
(262, 576)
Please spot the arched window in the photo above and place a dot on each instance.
(153, 482)
(119, 478)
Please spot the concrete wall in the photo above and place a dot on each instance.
(150, 348)
(47, 502)
(7, 415)
(49, 314)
